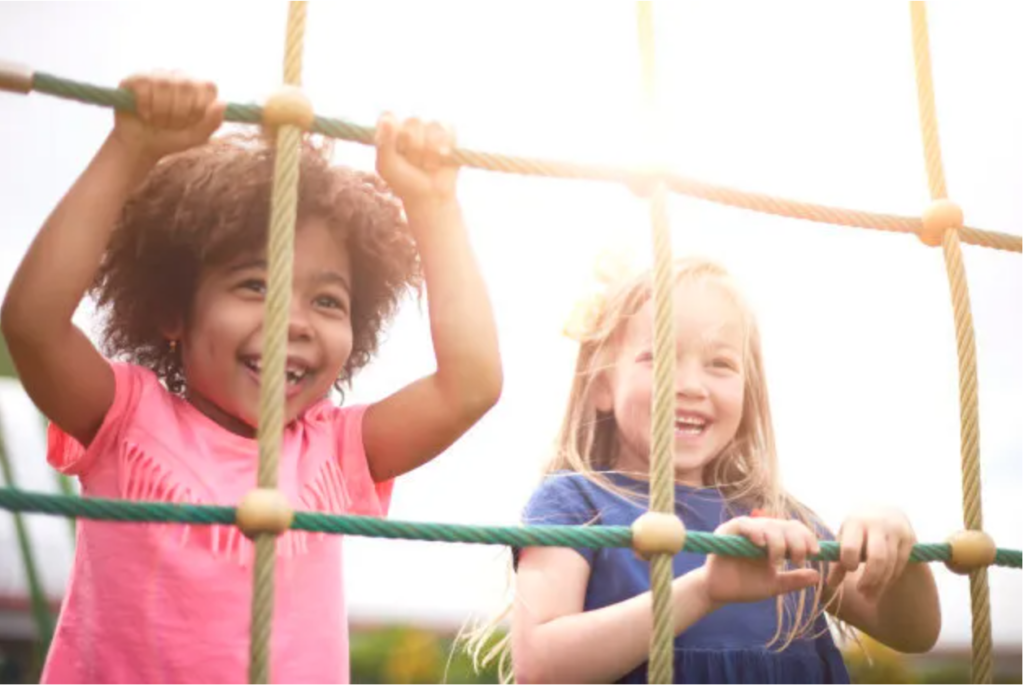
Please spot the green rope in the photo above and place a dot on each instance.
(89, 94)
(104, 509)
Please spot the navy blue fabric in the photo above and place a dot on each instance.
(726, 646)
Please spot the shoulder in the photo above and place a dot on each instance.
(139, 400)
(332, 438)
(564, 497)
(325, 423)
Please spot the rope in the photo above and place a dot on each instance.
(662, 435)
(981, 621)
(134, 511)
(660, 666)
(280, 254)
(926, 101)
(50, 84)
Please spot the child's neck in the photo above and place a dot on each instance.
(223, 419)
(641, 467)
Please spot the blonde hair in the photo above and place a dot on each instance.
(746, 472)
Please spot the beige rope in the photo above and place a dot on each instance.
(280, 254)
(662, 499)
(981, 624)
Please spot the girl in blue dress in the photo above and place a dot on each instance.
(584, 615)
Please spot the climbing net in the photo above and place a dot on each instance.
(658, 534)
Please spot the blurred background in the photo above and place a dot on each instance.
(810, 101)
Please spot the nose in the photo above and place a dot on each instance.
(299, 327)
(690, 379)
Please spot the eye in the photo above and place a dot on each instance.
(645, 356)
(254, 285)
(330, 302)
(725, 363)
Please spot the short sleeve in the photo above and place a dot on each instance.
(561, 500)
(65, 454)
(366, 497)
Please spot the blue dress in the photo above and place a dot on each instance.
(729, 645)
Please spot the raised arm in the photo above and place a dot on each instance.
(66, 377)
(418, 422)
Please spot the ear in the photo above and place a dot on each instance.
(604, 397)
(173, 331)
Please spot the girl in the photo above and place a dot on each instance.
(585, 615)
(169, 231)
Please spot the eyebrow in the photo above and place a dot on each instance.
(325, 276)
(328, 276)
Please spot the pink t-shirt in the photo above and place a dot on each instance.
(170, 603)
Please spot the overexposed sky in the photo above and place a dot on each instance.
(812, 101)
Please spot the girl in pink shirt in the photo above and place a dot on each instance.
(167, 229)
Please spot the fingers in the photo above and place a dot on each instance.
(211, 118)
(776, 545)
(172, 101)
(411, 138)
(142, 88)
(437, 146)
(902, 557)
(851, 545)
(423, 145)
(163, 96)
(879, 564)
(799, 541)
(794, 580)
(779, 538)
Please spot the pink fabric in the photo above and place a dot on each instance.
(171, 603)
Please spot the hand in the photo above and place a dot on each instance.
(883, 537)
(743, 579)
(172, 114)
(411, 160)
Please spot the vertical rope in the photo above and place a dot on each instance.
(662, 435)
(40, 610)
(926, 100)
(280, 254)
(663, 402)
(981, 621)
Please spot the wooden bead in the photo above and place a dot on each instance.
(15, 78)
(264, 511)
(971, 550)
(937, 217)
(289, 105)
(658, 532)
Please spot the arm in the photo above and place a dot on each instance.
(421, 420)
(555, 641)
(886, 597)
(62, 372)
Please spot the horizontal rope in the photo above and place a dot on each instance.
(723, 195)
(104, 509)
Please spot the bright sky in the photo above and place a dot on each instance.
(813, 101)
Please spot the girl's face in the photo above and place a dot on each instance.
(709, 382)
(222, 346)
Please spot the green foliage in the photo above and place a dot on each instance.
(6, 366)
(409, 655)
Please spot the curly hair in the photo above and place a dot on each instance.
(205, 206)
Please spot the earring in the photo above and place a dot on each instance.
(173, 346)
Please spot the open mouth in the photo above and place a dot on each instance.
(295, 372)
(691, 425)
